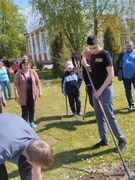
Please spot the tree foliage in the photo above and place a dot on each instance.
(60, 55)
(12, 29)
(77, 18)
(64, 16)
(111, 43)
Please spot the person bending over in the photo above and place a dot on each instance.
(19, 144)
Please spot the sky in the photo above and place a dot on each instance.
(32, 19)
(22, 4)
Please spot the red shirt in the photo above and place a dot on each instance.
(15, 67)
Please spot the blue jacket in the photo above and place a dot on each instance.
(71, 82)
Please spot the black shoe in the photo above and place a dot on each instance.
(101, 143)
(122, 145)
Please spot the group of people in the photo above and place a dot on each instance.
(23, 147)
(19, 143)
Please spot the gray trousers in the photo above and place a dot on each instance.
(106, 100)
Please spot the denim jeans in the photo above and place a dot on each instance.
(127, 85)
(7, 85)
(106, 100)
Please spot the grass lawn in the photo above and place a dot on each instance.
(72, 138)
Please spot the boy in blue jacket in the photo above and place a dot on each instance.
(71, 82)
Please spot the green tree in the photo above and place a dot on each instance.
(64, 16)
(76, 18)
(12, 29)
(59, 55)
(99, 12)
(111, 43)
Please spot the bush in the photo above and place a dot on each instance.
(40, 66)
(59, 56)
(32, 63)
(111, 43)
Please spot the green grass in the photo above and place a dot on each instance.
(72, 138)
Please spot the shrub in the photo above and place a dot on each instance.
(111, 43)
(39, 66)
(32, 63)
(59, 55)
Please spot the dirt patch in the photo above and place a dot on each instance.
(115, 172)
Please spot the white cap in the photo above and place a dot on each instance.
(69, 64)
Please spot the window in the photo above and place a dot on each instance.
(29, 47)
(43, 42)
(38, 43)
(33, 44)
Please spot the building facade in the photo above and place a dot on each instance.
(37, 48)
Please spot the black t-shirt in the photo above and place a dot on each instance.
(98, 63)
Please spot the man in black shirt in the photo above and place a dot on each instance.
(102, 73)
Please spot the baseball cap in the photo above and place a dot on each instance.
(69, 64)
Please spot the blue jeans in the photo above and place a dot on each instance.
(6, 84)
(127, 85)
(106, 100)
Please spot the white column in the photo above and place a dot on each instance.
(32, 51)
(36, 46)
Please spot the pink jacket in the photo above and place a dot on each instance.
(20, 86)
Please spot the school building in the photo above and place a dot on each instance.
(37, 49)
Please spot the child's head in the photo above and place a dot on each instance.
(40, 153)
(87, 53)
(69, 66)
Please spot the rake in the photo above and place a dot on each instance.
(66, 105)
(85, 106)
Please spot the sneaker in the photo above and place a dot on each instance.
(122, 145)
(33, 125)
(101, 143)
(74, 114)
(79, 114)
(131, 107)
